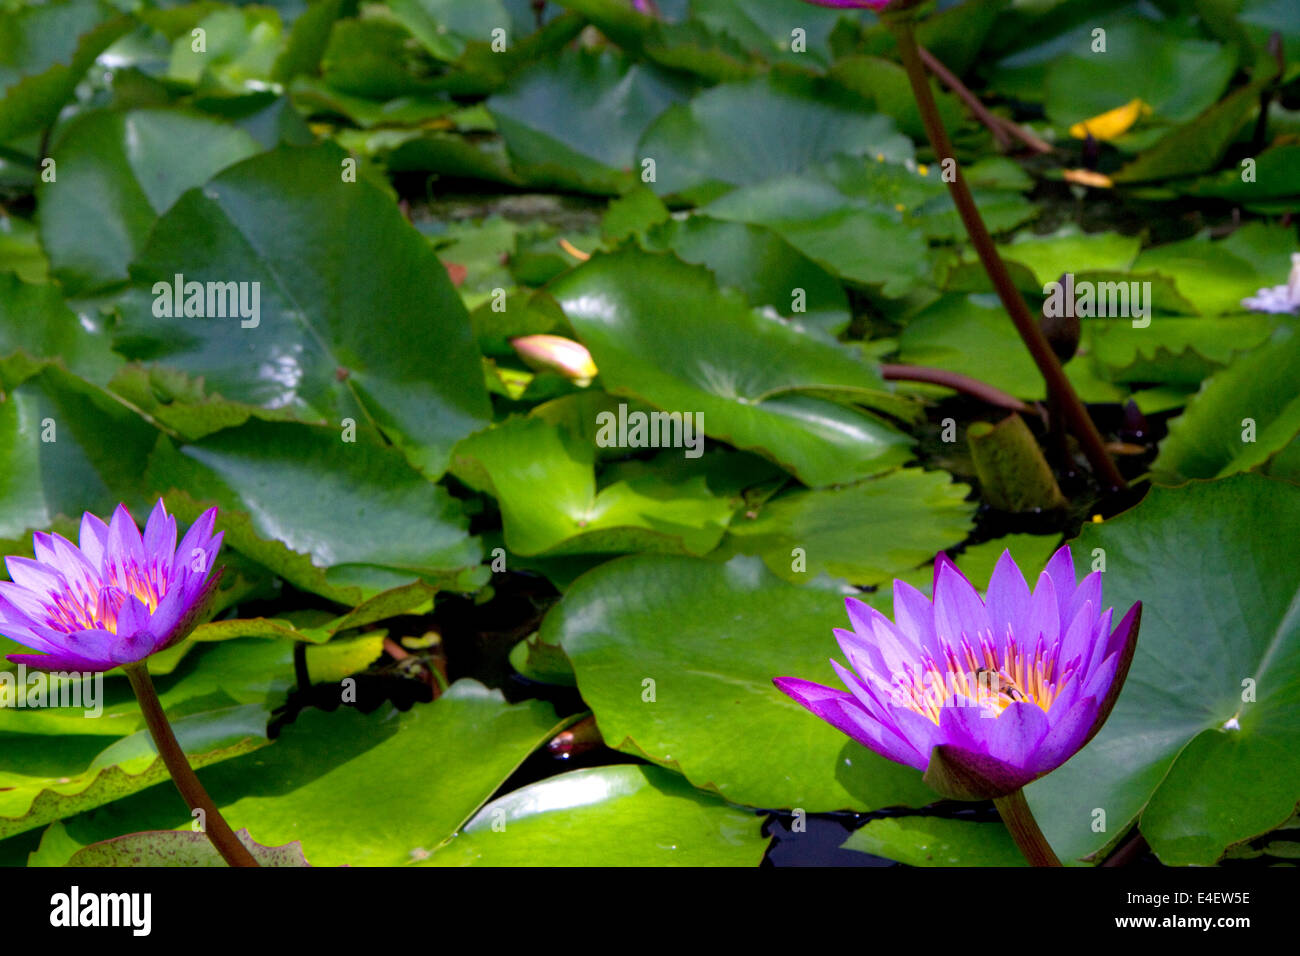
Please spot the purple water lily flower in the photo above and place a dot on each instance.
(984, 696)
(115, 600)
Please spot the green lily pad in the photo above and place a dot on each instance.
(46, 51)
(676, 658)
(445, 27)
(884, 84)
(1072, 251)
(858, 242)
(178, 848)
(435, 766)
(650, 321)
(1216, 275)
(934, 841)
(360, 511)
(573, 121)
(740, 133)
(607, 816)
(375, 58)
(35, 321)
(400, 600)
(39, 784)
(761, 264)
(1243, 416)
(117, 173)
(1177, 76)
(241, 48)
(867, 220)
(1198, 146)
(972, 335)
(67, 447)
(21, 250)
(553, 507)
(1178, 350)
(1277, 177)
(766, 28)
(864, 533)
(287, 220)
(1201, 742)
(315, 97)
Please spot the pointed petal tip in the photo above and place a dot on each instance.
(1127, 645)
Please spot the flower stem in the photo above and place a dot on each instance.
(1024, 829)
(187, 782)
(1080, 423)
(954, 380)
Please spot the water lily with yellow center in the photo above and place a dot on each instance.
(114, 600)
(983, 695)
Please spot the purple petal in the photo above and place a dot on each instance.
(1044, 616)
(878, 721)
(160, 537)
(1088, 592)
(1060, 568)
(75, 567)
(132, 616)
(61, 661)
(864, 693)
(40, 579)
(1007, 599)
(958, 609)
(878, 632)
(125, 548)
(915, 615)
(93, 540)
(1010, 737)
(1102, 643)
(19, 604)
(1125, 636)
(90, 645)
(1079, 637)
(841, 711)
(198, 536)
(1067, 736)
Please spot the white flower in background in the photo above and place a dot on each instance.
(1280, 298)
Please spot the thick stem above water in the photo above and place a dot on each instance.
(1015, 813)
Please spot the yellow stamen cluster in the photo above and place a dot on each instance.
(986, 678)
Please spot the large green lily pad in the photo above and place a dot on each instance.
(117, 173)
(357, 318)
(936, 841)
(360, 510)
(705, 639)
(1244, 415)
(741, 133)
(1216, 566)
(661, 331)
(608, 816)
(553, 506)
(864, 533)
(386, 788)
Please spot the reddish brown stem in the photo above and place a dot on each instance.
(956, 381)
(1002, 129)
(183, 775)
(1049, 366)
(1015, 813)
